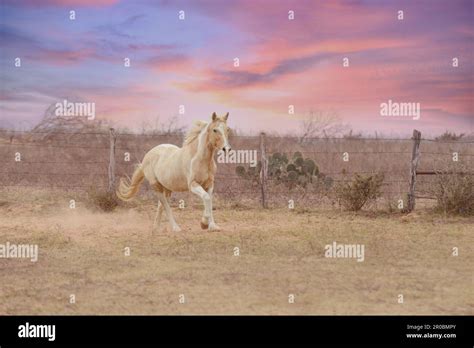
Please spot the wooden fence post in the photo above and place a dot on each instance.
(415, 158)
(113, 138)
(263, 170)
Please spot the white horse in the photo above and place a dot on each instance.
(169, 168)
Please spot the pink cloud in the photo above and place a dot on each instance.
(64, 57)
(178, 63)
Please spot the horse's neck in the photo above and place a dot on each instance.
(202, 150)
(205, 151)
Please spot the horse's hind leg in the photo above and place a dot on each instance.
(164, 201)
(159, 212)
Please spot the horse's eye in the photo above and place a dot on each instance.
(215, 130)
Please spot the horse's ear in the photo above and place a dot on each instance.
(226, 117)
(214, 116)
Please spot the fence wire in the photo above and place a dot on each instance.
(13, 173)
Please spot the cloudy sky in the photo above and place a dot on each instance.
(282, 62)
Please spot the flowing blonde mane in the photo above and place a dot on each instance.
(194, 132)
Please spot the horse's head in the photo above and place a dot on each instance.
(219, 132)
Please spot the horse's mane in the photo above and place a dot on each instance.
(194, 132)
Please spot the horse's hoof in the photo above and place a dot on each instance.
(204, 226)
(176, 229)
(214, 227)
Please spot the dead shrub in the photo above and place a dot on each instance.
(454, 193)
(353, 195)
(104, 200)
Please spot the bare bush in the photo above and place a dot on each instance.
(321, 125)
(448, 136)
(361, 190)
(104, 200)
(51, 126)
(454, 192)
(169, 127)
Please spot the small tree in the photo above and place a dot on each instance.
(321, 125)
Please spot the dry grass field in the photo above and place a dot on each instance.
(81, 252)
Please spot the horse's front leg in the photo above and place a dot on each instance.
(212, 225)
(197, 189)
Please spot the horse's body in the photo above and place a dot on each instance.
(169, 168)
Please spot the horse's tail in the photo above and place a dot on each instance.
(127, 188)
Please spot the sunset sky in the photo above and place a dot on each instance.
(282, 62)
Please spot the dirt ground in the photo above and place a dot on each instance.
(82, 253)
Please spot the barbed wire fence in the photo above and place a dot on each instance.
(108, 155)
